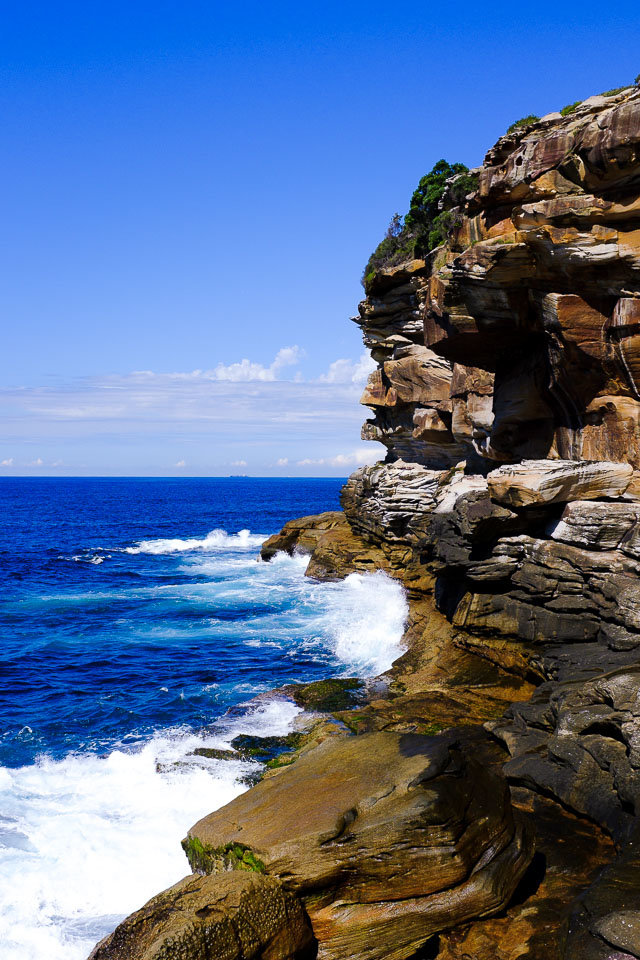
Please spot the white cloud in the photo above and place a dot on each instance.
(126, 422)
(355, 459)
(39, 462)
(349, 371)
(245, 371)
(7, 463)
(180, 463)
(238, 463)
(151, 401)
(240, 371)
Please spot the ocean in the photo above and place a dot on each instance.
(138, 623)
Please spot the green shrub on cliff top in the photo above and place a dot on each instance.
(570, 108)
(523, 122)
(611, 93)
(425, 226)
(425, 202)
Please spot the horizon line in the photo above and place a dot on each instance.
(133, 476)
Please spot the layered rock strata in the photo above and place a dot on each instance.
(507, 397)
(388, 838)
(520, 337)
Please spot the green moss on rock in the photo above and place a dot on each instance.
(206, 859)
(212, 753)
(285, 760)
(431, 729)
(325, 696)
(264, 749)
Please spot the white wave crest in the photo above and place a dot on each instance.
(358, 622)
(363, 618)
(86, 840)
(215, 540)
(85, 558)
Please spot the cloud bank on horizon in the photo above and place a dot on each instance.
(244, 416)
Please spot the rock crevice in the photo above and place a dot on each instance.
(507, 398)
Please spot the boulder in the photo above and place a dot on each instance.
(237, 916)
(387, 837)
(579, 742)
(597, 526)
(557, 481)
(301, 535)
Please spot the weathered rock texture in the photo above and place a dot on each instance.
(521, 337)
(241, 916)
(507, 396)
(388, 838)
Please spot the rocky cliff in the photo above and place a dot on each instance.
(507, 395)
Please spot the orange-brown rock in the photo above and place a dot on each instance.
(387, 837)
(301, 534)
(570, 854)
(507, 396)
(519, 501)
(238, 916)
(539, 288)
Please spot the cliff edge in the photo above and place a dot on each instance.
(489, 805)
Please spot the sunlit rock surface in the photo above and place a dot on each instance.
(507, 401)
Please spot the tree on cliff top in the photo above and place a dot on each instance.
(424, 208)
(427, 224)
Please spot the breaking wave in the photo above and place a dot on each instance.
(87, 839)
(215, 540)
(125, 661)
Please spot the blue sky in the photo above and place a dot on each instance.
(190, 191)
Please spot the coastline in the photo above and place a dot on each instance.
(435, 690)
(486, 803)
(74, 866)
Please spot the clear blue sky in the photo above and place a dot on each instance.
(190, 185)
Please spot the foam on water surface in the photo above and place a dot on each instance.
(216, 539)
(86, 840)
(116, 671)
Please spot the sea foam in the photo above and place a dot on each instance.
(87, 839)
(215, 540)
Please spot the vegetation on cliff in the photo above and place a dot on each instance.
(203, 858)
(431, 217)
(509, 506)
(523, 122)
(570, 107)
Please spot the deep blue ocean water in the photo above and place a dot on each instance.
(99, 644)
(138, 622)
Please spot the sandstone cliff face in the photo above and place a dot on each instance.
(521, 337)
(507, 395)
